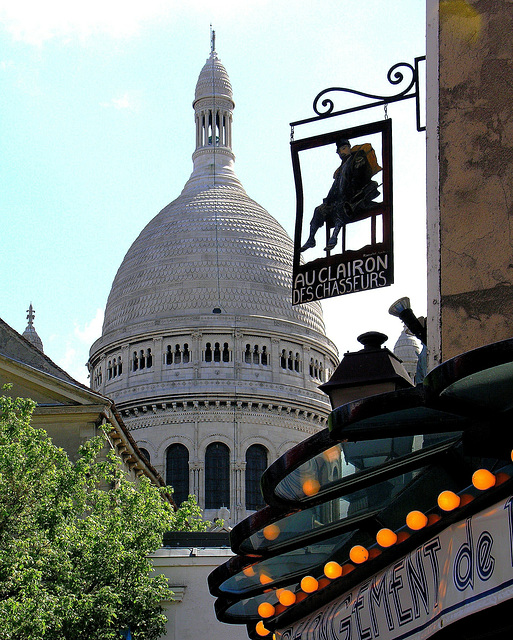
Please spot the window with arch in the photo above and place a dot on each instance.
(256, 464)
(145, 453)
(217, 476)
(177, 471)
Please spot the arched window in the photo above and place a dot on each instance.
(226, 352)
(217, 476)
(256, 463)
(145, 454)
(217, 352)
(247, 354)
(149, 358)
(264, 356)
(256, 355)
(178, 354)
(177, 471)
(208, 352)
(169, 355)
(186, 353)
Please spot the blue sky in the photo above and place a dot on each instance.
(97, 133)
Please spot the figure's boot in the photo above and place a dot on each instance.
(310, 243)
(332, 242)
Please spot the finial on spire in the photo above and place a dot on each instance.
(30, 315)
(212, 41)
(30, 333)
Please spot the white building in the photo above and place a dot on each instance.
(213, 370)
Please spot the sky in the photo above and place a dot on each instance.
(97, 132)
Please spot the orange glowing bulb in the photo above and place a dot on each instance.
(265, 609)
(386, 537)
(261, 630)
(358, 554)
(448, 500)
(309, 584)
(265, 579)
(286, 597)
(311, 486)
(483, 479)
(416, 520)
(271, 532)
(249, 572)
(332, 570)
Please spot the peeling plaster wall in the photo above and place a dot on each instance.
(475, 173)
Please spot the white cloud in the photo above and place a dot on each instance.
(124, 102)
(91, 330)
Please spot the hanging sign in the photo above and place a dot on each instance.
(465, 569)
(343, 236)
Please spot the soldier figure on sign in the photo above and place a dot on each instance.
(352, 192)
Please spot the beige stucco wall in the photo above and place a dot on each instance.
(475, 172)
(191, 615)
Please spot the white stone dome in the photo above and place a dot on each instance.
(201, 345)
(213, 249)
(213, 80)
(407, 349)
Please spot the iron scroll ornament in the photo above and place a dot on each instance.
(324, 106)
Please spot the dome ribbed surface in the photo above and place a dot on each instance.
(213, 80)
(213, 248)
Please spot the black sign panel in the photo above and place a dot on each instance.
(343, 238)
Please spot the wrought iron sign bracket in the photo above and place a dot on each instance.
(324, 107)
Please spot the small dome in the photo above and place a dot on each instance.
(407, 350)
(213, 80)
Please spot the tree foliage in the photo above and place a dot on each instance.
(73, 555)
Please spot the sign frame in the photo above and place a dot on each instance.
(367, 268)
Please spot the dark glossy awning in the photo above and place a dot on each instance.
(389, 472)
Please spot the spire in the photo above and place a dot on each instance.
(212, 40)
(213, 112)
(30, 333)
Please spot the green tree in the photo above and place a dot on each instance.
(73, 554)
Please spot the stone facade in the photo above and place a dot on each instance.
(470, 175)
